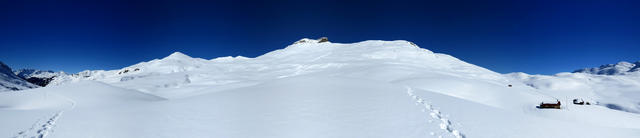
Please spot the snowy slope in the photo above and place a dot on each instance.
(11, 82)
(308, 89)
(615, 86)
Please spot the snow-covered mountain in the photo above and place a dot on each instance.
(312, 88)
(11, 82)
(619, 68)
(163, 76)
(38, 77)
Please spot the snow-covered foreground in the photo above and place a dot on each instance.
(310, 89)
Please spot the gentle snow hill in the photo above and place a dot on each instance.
(89, 93)
(11, 82)
(312, 88)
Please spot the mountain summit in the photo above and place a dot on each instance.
(307, 40)
(178, 56)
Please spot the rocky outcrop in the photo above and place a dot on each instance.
(323, 39)
(307, 40)
(128, 70)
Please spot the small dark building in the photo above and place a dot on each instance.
(550, 105)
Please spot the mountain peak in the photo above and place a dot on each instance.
(177, 55)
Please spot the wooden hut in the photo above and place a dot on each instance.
(549, 105)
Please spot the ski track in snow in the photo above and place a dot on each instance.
(445, 123)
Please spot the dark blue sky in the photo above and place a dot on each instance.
(538, 36)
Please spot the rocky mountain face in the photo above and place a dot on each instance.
(619, 68)
(307, 40)
(11, 82)
(38, 77)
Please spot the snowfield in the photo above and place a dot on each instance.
(313, 89)
(618, 92)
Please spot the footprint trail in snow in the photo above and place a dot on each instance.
(445, 123)
(43, 128)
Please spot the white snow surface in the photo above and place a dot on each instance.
(365, 89)
(618, 92)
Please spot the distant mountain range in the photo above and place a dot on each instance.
(38, 77)
(15, 80)
(10, 81)
(619, 68)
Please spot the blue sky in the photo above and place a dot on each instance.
(538, 37)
